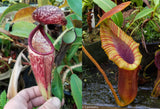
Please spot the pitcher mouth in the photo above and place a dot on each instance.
(40, 28)
(119, 47)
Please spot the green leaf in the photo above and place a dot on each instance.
(59, 68)
(72, 52)
(57, 46)
(113, 11)
(22, 29)
(70, 25)
(78, 69)
(69, 37)
(76, 88)
(5, 37)
(78, 41)
(3, 99)
(138, 2)
(107, 5)
(156, 2)
(76, 6)
(57, 88)
(12, 8)
(76, 59)
(74, 48)
(143, 13)
(78, 32)
(157, 16)
(7, 26)
(50, 38)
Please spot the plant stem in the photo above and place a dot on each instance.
(69, 68)
(129, 26)
(60, 37)
(144, 74)
(12, 60)
(8, 33)
(67, 71)
(157, 24)
(135, 29)
(13, 37)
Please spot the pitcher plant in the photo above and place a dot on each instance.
(124, 52)
(41, 50)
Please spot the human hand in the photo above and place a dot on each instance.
(31, 97)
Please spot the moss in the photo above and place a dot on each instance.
(150, 31)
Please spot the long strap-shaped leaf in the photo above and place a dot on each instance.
(120, 103)
(113, 11)
(107, 5)
(18, 68)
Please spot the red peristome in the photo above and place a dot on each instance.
(49, 15)
(119, 47)
(39, 42)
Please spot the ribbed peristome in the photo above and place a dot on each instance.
(119, 47)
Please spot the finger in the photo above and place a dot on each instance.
(30, 93)
(52, 103)
(26, 98)
(38, 101)
(62, 102)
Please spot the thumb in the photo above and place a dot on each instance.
(52, 103)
